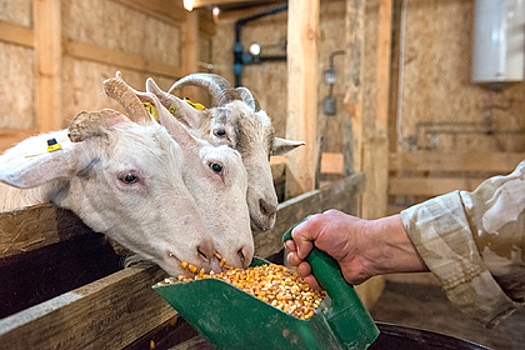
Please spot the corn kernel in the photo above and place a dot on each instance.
(192, 268)
(273, 284)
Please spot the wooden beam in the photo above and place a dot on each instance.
(205, 3)
(428, 186)
(500, 162)
(16, 34)
(48, 64)
(375, 133)
(118, 59)
(170, 11)
(384, 43)
(339, 195)
(190, 54)
(353, 99)
(10, 137)
(107, 314)
(301, 119)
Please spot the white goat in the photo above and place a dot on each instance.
(215, 176)
(121, 178)
(238, 123)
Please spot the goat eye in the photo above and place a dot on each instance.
(216, 167)
(220, 133)
(129, 178)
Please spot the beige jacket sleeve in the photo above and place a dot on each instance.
(474, 242)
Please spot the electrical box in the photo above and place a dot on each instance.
(499, 41)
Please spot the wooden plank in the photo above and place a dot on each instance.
(353, 99)
(207, 25)
(503, 162)
(332, 163)
(384, 43)
(30, 278)
(10, 137)
(205, 3)
(26, 229)
(119, 59)
(301, 120)
(107, 314)
(190, 54)
(427, 186)
(375, 132)
(48, 63)
(339, 195)
(16, 34)
(170, 11)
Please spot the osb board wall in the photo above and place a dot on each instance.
(82, 86)
(115, 26)
(103, 23)
(268, 81)
(16, 76)
(437, 82)
(17, 11)
(17, 84)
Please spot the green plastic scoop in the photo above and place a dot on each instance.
(230, 318)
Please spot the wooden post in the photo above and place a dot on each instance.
(353, 100)
(48, 57)
(301, 120)
(190, 53)
(375, 145)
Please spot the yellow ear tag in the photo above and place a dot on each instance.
(173, 108)
(53, 145)
(151, 110)
(197, 106)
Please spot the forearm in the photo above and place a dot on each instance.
(390, 249)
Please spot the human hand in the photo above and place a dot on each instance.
(363, 248)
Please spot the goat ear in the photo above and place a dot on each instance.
(177, 131)
(283, 146)
(183, 111)
(33, 171)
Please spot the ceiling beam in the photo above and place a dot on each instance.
(204, 3)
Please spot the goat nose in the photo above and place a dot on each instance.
(205, 251)
(267, 209)
(244, 256)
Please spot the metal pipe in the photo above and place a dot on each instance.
(238, 49)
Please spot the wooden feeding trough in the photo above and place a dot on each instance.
(62, 285)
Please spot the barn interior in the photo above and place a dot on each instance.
(384, 93)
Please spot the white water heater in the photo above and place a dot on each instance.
(499, 42)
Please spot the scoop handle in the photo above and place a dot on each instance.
(325, 269)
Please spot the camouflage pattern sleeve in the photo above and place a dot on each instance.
(474, 242)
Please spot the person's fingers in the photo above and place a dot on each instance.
(293, 259)
(290, 245)
(312, 282)
(303, 269)
(303, 235)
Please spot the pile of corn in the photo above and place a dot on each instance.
(274, 284)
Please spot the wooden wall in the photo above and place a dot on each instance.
(268, 81)
(56, 54)
(464, 132)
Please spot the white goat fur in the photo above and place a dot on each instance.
(220, 196)
(249, 132)
(155, 217)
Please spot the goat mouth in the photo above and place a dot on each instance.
(259, 223)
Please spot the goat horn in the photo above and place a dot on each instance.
(249, 99)
(88, 124)
(117, 89)
(220, 89)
